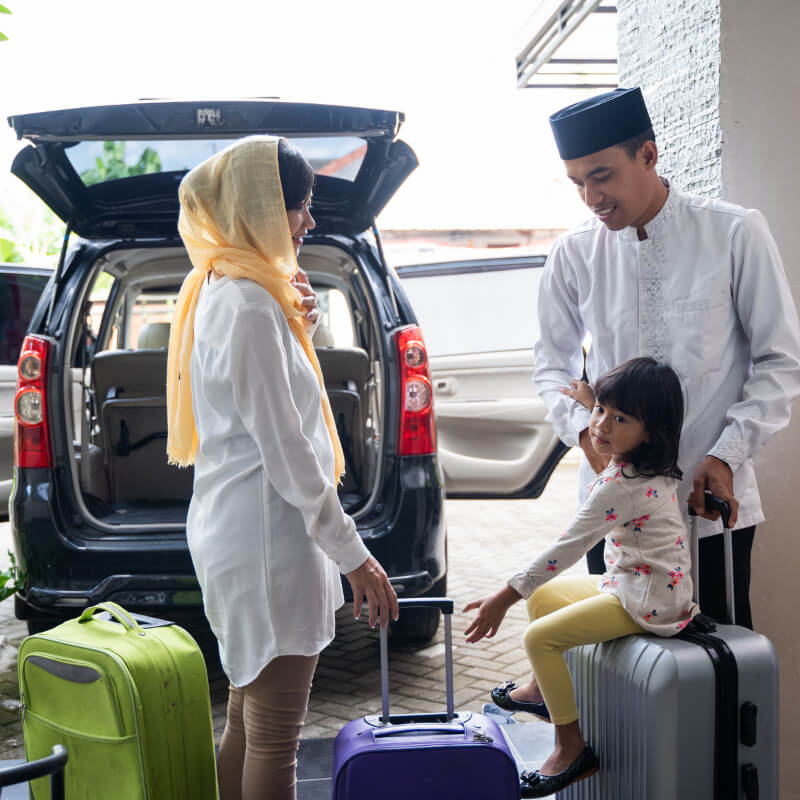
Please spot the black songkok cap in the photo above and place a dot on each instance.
(599, 122)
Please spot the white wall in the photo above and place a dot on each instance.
(760, 120)
(721, 81)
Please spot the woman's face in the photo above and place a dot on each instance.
(300, 222)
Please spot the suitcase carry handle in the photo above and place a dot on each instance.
(445, 605)
(714, 503)
(411, 730)
(116, 611)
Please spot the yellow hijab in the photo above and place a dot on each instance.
(233, 221)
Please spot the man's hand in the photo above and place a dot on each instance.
(717, 476)
(597, 462)
(370, 579)
(491, 612)
(580, 391)
(310, 308)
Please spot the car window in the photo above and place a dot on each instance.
(336, 320)
(475, 307)
(94, 311)
(148, 320)
(19, 294)
(100, 161)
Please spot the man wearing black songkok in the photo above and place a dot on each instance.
(692, 281)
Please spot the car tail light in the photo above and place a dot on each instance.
(417, 424)
(32, 441)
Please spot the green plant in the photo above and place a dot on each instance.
(12, 579)
(30, 234)
(3, 10)
(113, 165)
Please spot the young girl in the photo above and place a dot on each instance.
(636, 422)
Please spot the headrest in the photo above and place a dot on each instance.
(154, 336)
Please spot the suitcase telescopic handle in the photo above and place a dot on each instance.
(445, 605)
(714, 503)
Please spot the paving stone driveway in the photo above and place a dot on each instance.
(488, 541)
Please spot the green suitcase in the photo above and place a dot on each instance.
(128, 697)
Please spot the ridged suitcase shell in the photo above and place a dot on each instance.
(131, 706)
(647, 706)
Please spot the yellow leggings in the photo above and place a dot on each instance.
(565, 612)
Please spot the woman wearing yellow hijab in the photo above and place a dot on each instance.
(247, 406)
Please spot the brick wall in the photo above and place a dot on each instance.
(671, 49)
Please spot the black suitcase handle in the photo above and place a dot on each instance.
(444, 604)
(714, 503)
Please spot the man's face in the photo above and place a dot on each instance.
(617, 188)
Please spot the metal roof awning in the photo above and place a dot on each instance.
(587, 61)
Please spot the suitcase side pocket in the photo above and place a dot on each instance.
(110, 766)
(77, 693)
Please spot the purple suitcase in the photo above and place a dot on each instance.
(423, 756)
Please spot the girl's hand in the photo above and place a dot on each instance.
(580, 391)
(491, 612)
(310, 307)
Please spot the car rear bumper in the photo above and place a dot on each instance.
(70, 568)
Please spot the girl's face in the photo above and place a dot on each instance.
(300, 223)
(615, 433)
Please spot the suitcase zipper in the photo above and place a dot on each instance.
(87, 737)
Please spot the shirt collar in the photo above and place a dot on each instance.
(656, 226)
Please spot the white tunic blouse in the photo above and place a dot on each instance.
(266, 532)
(647, 555)
(706, 292)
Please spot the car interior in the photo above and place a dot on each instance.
(118, 343)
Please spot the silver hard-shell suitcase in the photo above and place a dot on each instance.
(693, 717)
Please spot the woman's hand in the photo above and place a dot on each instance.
(580, 391)
(310, 307)
(370, 579)
(491, 612)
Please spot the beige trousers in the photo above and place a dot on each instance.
(258, 752)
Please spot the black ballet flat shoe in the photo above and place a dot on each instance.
(534, 784)
(501, 696)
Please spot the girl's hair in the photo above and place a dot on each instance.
(650, 391)
(297, 175)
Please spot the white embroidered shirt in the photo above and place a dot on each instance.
(706, 292)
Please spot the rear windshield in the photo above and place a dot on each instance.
(98, 161)
(19, 294)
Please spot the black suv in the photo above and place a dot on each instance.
(96, 511)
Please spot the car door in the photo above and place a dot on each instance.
(20, 288)
(479, 323)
